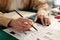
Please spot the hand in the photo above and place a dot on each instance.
(21, 24)
(43, 18)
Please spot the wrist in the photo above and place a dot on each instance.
(43, 13)
(9, 24)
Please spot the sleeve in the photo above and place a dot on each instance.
(41, 5)
(4, 20)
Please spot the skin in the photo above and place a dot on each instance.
(43, 17)
(21, 24)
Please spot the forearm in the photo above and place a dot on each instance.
(43, 9)
(4, 20)
(41, 6)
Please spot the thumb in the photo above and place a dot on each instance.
(35, 19)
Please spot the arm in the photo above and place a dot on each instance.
(4, 20)
(20, 24)
(42, 11)
(41, 6)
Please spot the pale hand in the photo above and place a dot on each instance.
(21, 24)
(43, 16)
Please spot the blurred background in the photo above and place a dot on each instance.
(50, 2)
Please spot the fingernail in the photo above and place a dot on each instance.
(26, 22)
(30, 22)
(35, 21)
(43, 24)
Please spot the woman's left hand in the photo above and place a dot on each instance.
(43, 16)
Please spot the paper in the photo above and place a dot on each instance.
(14, 15)
(51, 32)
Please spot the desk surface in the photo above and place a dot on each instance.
(5, 36)
(51, 32)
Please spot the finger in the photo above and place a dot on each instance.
(49, 22)
(18, 28)
(42, 20)
(19, 25)
(25, 20)
(20, 21)
(35, 19)
(27, 27)
(46, 21)
(30, 22)
(16, 23)
(26, 23)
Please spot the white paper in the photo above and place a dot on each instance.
(51, 32)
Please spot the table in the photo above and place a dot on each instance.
(4, 35)
(42, 31)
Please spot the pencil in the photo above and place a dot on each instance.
(22, 16)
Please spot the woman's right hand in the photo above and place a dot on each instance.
(21, 24)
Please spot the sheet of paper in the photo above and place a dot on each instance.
(14, 15)
(51, 32)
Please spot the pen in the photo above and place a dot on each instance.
(22, 16)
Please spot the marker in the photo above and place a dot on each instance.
(57, 17)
